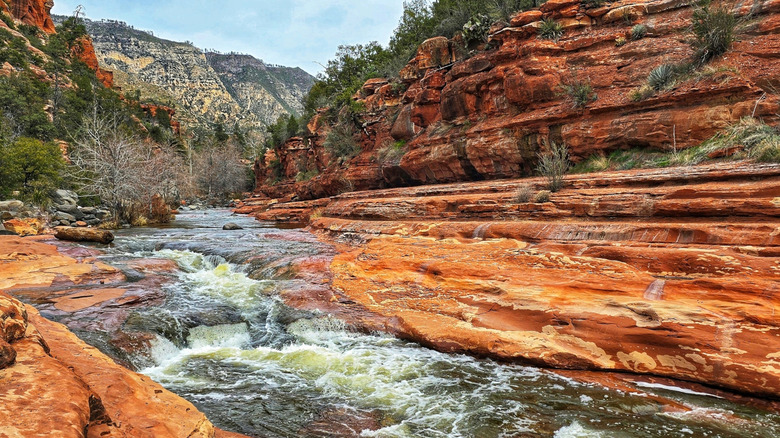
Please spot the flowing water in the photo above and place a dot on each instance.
(222, 339)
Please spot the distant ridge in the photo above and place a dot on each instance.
(205, 86)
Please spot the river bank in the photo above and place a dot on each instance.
(229, 321)
(665, 272)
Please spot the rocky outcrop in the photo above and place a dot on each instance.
(205, 87)
(666, 272)
(52, 383)
(84, 50)
(487, 116)
(33, 12)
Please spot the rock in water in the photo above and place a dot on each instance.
(231, 227)
(84, 235)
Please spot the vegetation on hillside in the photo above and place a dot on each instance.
(119, 150)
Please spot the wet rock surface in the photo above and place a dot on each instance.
(658, 272)
(57, 384)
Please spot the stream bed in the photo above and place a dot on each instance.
(221, 337)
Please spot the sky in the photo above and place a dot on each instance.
(295, 33)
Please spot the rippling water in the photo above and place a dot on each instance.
(224, 340)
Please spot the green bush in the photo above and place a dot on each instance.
(553, 165)
(580, 92)
(714, 31)
(638, 32)
(475, 31)
(31, 167)
(550, 30)
(340, 142)
(8, 20)
(661, 76)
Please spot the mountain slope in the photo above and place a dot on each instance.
(266, 91)
(205, 87)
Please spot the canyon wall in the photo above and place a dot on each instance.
(463, 117)
(204, 87)
(33, 12)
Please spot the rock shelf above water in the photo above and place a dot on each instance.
(669, 272)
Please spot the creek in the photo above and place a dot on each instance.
(221, 337)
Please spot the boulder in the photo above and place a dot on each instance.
(65, 197)
(84, 235)
(80, 224)
(24, 227)
(12, 205)
(62, 216)
(232, 227)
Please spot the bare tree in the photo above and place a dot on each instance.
(124, 171)
(219, 171)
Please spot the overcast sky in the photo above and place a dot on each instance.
(298, 33)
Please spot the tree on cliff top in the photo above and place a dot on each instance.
(421, 19)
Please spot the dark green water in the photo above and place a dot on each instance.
(224, 341)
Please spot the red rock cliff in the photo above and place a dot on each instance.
(34, 12)
(486, 117)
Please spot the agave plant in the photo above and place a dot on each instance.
(550, 29)
(661, 77)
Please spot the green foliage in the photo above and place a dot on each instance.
(638, 32)
(292, 126)
(421, 20)
(580, 92)
(475, 30)
(340, 142)
(550, 30)
(661, 76)
(8, 20)
(553, 165)
(714, 31)
(31, 167)
(22, 101)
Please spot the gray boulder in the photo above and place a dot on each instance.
(231, 227)
(12, 205)
(66, 197)
(62, 216)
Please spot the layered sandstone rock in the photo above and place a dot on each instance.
(486, 117)
(34, 12)
(661, 272)
(52, 383)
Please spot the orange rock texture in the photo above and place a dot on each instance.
(486, 117)
(52, 383)
(666, 272)
(33, 12)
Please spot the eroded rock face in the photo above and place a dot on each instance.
(486, 117)
(665, 272)
(33, 12)
(52, 383)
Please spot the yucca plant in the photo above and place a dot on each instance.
(661, 76)
(550, 29)
(638, 32)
